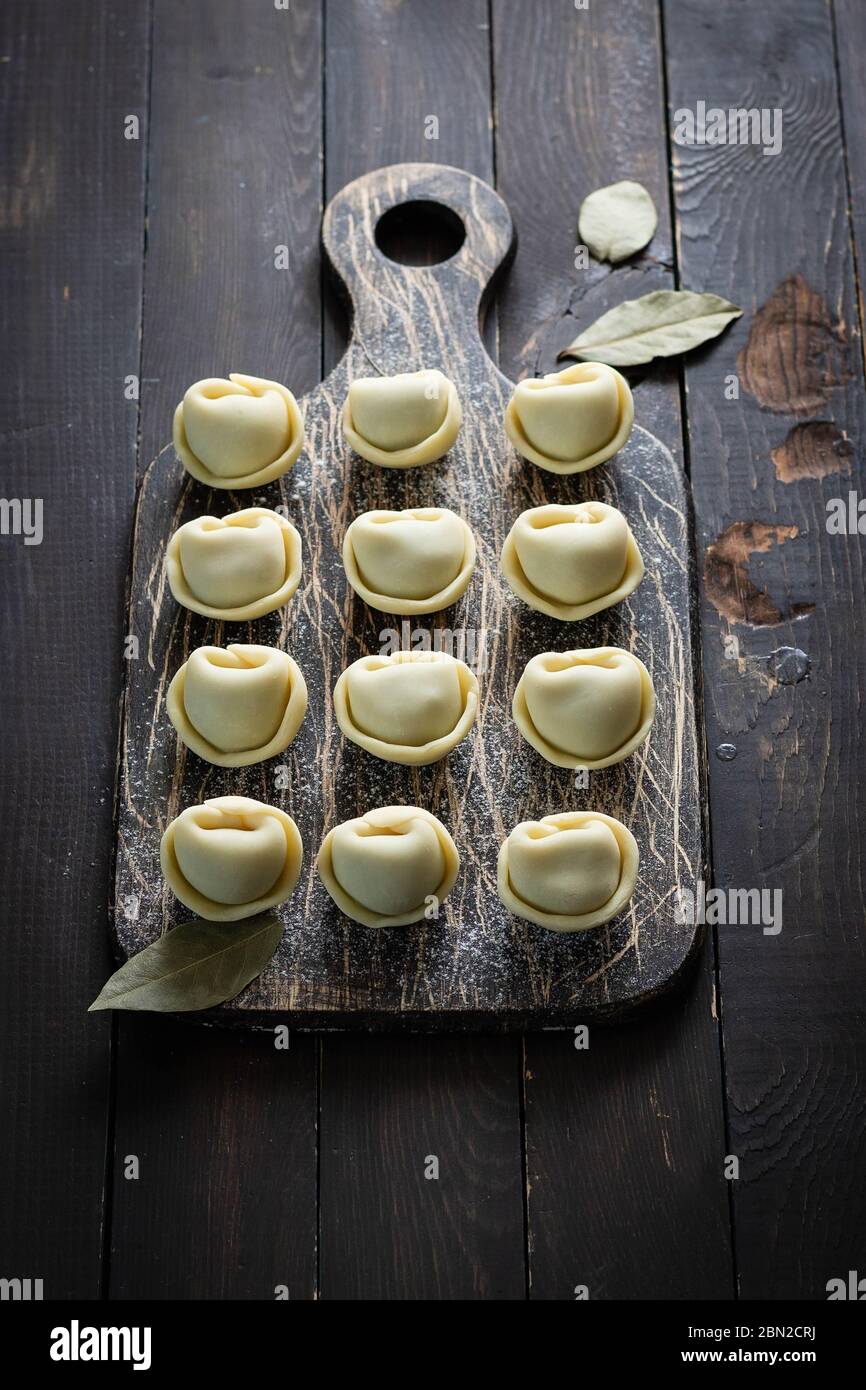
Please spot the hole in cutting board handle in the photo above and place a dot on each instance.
(420, 233)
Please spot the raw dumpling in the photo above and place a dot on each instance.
(587, 708)
(237, 705)
(416, 561)
(231, 857)
(239, 433)
(571, 561)
(572, 420)
(237, 567)
(386, 868)
(401, 421)
(409, 707)
(568, 872)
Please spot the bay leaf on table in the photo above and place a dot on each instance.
(193, 966)
(617, 221)
(660, 324)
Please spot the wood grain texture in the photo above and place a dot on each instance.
(788, 809)
(579, 104)
(223, 1128)
(407, 82)
(235, 173)
(389, 1231)
(387, 69)
(226, 1204)
(639, 1111)
(71, 216)
(850, 44)
(477, 965)
(625, 1149)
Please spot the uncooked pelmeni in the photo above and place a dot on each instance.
(587, 708)
(231, 857)
(239, 433)
(236, 567)
(402, 421)
(571, 561)
(568, 872)
(386, 868)
(572, 420)
(237, 705)
(409, 707)
(416, 561)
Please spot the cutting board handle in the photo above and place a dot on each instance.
(388, 298)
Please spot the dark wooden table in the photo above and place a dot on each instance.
(153, 258)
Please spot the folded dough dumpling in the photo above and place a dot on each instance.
(586, 708)
(409, 707)
(231, 857)
(237, 705)
(237, 567)
(402, 421)
(572, 420)
(416, 561)
(569, 871)
(571, 561)
(239, 433)
(386, 868)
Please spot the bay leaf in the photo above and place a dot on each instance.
(617, 221)
(659, 324)
(194, 966)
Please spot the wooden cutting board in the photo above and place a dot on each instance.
(475, 967)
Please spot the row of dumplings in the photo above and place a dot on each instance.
(244, 432)
(241, 704)
(233, 857)
(568, 561)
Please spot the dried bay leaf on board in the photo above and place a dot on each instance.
(617, 221)
(193, 966)
(660, 324)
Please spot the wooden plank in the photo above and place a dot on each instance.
(71, 242)
(224, 1127)
(421, 1173)
(850, 44)
(235, 174)
(376, 116)
(772, 233)
(561, 73)
(625, 1145)
(214, 1164)
(404, 82)
(638, 1117)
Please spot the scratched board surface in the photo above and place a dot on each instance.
(476, 966)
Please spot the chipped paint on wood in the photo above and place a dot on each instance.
(729, 587)
(796, 353)
(812, 450)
